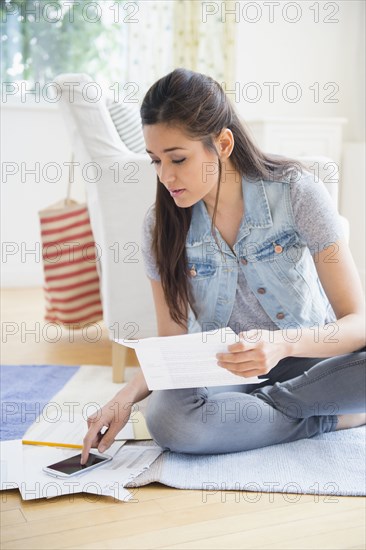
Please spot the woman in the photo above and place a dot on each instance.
(248, 240)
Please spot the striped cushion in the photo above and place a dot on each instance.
(70, 265)
(127, 121)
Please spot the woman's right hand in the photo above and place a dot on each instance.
(114, 415)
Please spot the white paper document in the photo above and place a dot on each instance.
(69, 428)
(187, 361)
(21, 467)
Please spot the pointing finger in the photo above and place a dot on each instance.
(91, 439)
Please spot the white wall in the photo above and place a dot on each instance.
(304, 52)
(353, 200)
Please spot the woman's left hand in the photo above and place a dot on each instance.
(257, 352)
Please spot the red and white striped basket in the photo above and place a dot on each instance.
(72, 288)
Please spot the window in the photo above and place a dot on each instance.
(114, 41)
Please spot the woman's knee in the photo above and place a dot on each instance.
(158, 409)
(171, 419)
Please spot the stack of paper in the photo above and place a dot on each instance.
(70, 429)
(186, 361)
(21, 467)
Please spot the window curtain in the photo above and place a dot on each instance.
(202, 41)
(175, 34)
(147, 40)
(147, 50)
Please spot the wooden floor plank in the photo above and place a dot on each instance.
(11, 517)
(22, 311)
(92, 517)
(10, 500)
(341, 538)
(320, 537)
(207, 534)
(85, 504)
(214, 519)
(256, 540)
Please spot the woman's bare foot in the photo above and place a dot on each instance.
(350, 421)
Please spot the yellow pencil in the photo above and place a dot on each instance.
(50, 444)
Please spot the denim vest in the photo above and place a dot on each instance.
(276, 262)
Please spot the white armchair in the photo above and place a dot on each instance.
(117, 202)
(125, 187)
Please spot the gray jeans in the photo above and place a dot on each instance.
(301, 398)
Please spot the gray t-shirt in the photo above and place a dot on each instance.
(317, 223)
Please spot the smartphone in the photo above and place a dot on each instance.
(71, 466)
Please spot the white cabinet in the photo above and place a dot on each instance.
(299, 137)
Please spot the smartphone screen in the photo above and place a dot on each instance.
(71, 465)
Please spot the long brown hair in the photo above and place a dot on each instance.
(198, 105)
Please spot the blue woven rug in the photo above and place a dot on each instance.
(24, 391)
